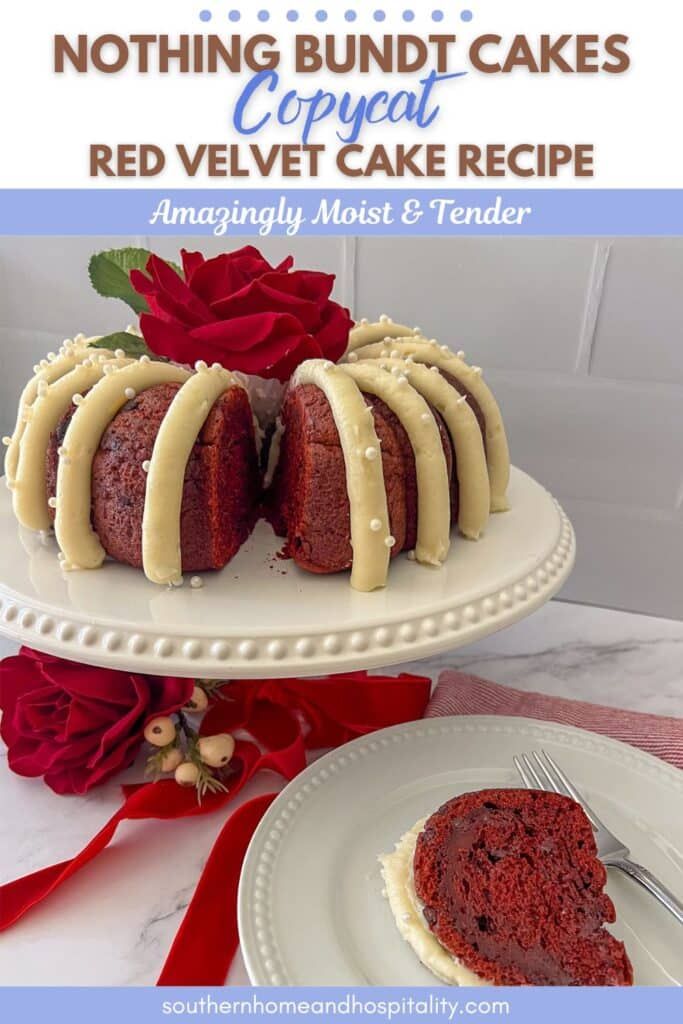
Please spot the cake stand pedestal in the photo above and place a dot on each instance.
(261, 617)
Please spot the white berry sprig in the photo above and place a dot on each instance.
(196, 761)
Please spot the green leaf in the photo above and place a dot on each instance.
(108, 272)
(131, 344)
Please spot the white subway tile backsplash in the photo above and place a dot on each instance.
(594, 440)
(517, 303)
(639, 332)
(44, 286)
(626, 559)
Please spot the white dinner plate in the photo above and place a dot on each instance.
(311, 909)
(262, 617)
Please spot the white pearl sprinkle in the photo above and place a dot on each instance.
(417, 330)
(352, 357)
(145, 466)
(102, 358)
(178, 582)
(395, 354)
(477, 370)
(426, 417)
(119, 353)
(44, 363)
(6, 441)
(434, 369)
(108, 369)
(77, 399)
(61, 451)
(52, 502)
(145, 360)
(196, 583)
(130, 393)
(51, 356)
(36, 367)
(445, 349)
(375, 525)
(371, 453)
(460, 354)
(462, 400)
(364, 322)
(216, 367)
(384, 353)
(200, 365)
(402, 379)
(384, 319)
(389, 541)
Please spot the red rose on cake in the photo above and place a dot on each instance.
(238, 310)
(76, 725)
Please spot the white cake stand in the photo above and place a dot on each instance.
(262, 617)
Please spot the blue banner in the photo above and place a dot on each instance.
(290, 212)
(376, 1005)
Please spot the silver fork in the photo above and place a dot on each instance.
(540, 771)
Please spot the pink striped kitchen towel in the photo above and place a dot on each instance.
(457, 693)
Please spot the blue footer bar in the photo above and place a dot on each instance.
(290, 212)
(376, 1005)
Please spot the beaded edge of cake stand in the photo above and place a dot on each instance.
(254, 656)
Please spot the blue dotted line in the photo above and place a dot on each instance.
(322, 15)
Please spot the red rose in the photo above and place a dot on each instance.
(76, 725)
(237, 310)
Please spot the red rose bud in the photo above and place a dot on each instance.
(76, 725)
(238, 310)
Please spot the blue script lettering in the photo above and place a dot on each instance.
(271, 79)
(352, 113)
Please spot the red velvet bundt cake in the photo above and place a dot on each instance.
(511, 886)
(157, 466)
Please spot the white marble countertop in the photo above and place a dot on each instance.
(113, 923)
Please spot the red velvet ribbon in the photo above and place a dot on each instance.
(283, 719)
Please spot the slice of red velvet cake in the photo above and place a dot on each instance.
(511, 886)
(220, 490)
(309, 504)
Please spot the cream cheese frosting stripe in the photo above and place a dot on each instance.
(399, 883)
(470, 456)
(433, 354)
(29, 492)
(370, 538)
(365, 333)
(433, 491)
(46, 372)
(79, 543)
(180, 427)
